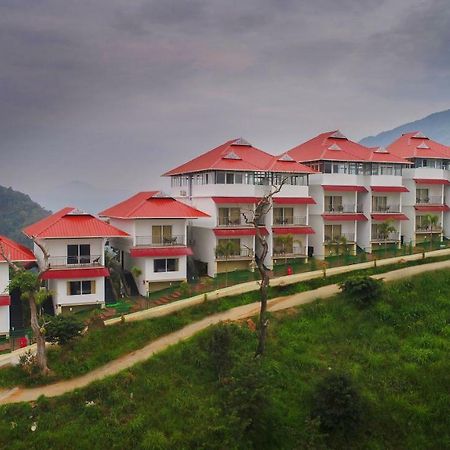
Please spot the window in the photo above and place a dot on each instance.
(234, 249)
(162, 234)
(333, 232)
(220, 177)
(229, 178)
(422, 196)
(333, 203)
(79, 254)
(379, 204)
(165, 265)
(81, 287)
(283, 216)
(229, 216)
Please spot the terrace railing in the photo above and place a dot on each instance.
(75, 261)
(238, 253)
(336, 238)
(386, 208)
(160, 241)
(280, 221)
(432, 200)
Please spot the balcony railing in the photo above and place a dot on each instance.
(159, 241)
(337, 238)
(428, 229)
(289, 252)
(75, 261)
(432, 200)
(289, 221)
(238, 253)
(386, 208)
(377, 237)
(345, 208)
(230, 222)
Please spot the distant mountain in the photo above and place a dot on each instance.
(81, 195)
(436, 126)
(17, 210)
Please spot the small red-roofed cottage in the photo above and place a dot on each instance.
(16, 253)
(75, 270)
(158, 243)
(428, 182)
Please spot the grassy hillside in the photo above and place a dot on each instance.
(18, 211)
(396, 351)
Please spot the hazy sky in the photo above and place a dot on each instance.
(115, 92)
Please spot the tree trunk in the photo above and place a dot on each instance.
(263, 320)
(41, 355)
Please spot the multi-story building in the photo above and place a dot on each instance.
(75, 268)
(16, 253)
(227, 182)
(158, 241)
(356, 190)
(428, 183)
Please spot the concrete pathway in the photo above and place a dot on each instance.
(241, 312)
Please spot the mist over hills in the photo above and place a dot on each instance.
(436, 126)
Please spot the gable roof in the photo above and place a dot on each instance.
(14, 251)
(236, 154)
(417, 145)
(72, 223)
(286, 164)
(152, 205)
(334, 146)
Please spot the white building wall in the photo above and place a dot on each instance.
(4, 310)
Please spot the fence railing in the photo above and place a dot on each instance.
(280, 221)
(160, 241)
(337, 238)
(386, 208)
(377, 237)
(433, 200)
(290, 251)
(234, 254)
(75, 261)
(344, 208)
(428, 229)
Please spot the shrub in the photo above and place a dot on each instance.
(337, 404)
(363, 289)
(219, 348)
(28, 363)
(62, 329)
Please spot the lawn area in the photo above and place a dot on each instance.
(103, 345)
(396, 351)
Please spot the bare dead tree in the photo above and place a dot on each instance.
(262, 208)
(30, 286)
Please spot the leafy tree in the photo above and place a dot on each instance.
(226, 249)
(385, 229)
(62, 329)
(363, 289)
(431, 221)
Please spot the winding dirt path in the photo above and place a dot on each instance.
(241, 312)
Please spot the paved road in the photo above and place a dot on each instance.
(241, 312)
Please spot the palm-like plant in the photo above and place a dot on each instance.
(430, 221)
(384, 230)
(226, 249)
(284, 242)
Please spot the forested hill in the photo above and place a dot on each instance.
(17, 210)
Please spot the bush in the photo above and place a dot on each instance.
(337, 404)
(363, 289)
(28, 363)
(219, 348)
(62, 329)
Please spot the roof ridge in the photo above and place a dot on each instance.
(146, 199)
(58, 215)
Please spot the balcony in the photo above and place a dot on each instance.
(342, 209)
(422, 229)
(289, 252)
(337, 238)
(288, 221)
(238, 253)
(75, 261)
(159, 241)
(231, 222)
(432, 200)
(391, 237)
(386, 209)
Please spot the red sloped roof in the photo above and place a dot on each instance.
(72, 223)
(344, 217)
(429, 208)
(71, 274)
(430, 181)
(286, 164)
(334, 146)
(389, 189)
(230, 200)
(236, 154)
(294, 201)
(14, 251)
(293, 230)
(416, 145)
(150, 205)
(229, 232)
(161, 252)
(5, 300)
(343, 188)
(393, 216)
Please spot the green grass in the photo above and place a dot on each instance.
(396, 352)
(102, 346)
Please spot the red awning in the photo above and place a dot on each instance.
(425, 208)
(389, 189)
(344, 217)
(5, 300)
(229, 232)
(389, 217)
(294, 201)
(70, 274)
(161, 251)
(293, 230)
(430, 181)
(230, 200)
(343, 188)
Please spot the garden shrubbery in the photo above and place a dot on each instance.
(363, 290)
(62, 329)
